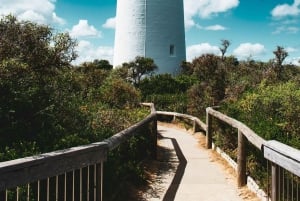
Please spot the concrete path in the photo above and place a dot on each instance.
(197, 177)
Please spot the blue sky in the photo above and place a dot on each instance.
(254, 27)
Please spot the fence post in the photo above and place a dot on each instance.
(99, 185)
(208, 131)
(194, 126)
(275, 175)
(241, 160)
(154, 137)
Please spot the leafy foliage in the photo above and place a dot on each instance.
(139, 68)
(273, 111)
(45, 104)
(118, 93)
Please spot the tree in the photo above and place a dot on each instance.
(140, 67)
(97, 64)
(119, 94)
(224, 45)
(35, 45)
(186, 68)
(38, 93)
(280, 55)
(212, 83)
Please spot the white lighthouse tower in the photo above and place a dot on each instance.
(150, 28)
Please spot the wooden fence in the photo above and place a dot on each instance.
(77, 173)
(71, 174)
(285, 160)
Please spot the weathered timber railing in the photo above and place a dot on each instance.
(124, 135)
(71, 174)
(77, 173)
(282, 157)
(194, 121)
(244, 134)
(285, 160)
(31, 172)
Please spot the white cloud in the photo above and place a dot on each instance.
(216, 27)
(283, 10)
(110, 23)
(57, 19)
(290, 49)
(246, 50)
(32, 16)
(40, 11)
(206, 9)
(294, 61)
(286, 29)
(88, 52)
(195, 51)
(84, 29)
(292, 30)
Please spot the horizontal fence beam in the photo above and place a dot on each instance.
(251, 136)
(22, 171)
(185, 116)
(30, 169)
(124, 135)
(283, 155)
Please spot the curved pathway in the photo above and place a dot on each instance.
(197, 177)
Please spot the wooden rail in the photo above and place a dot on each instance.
(24, 171)
(31, 169)
(66, 164)
(244, 134)
(280, 155)
(256, 140)
(196, 122)
(286, 157)
(117, 139)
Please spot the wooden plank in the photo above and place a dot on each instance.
(208, 131)
(275, 176)
(241, 160)
(99, 183)
(151, 105)
(117, 139)
(283, 155)
(185, 116)
(252, 137)
(202, 125)
(22, 171)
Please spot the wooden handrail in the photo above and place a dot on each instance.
(44, 166)
(115, 140)
(279, 154)
(151, 106)
(22, 171)
(185, 116)
(255, 139)
(25, 170)
(283, 155)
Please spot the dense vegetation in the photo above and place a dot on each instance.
(263, 95)
(48, 104)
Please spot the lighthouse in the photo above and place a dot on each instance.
(153, 29)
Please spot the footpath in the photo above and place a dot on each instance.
(193, 173)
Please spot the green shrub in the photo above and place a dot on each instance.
(118, 93)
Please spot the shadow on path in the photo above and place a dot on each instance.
(172, 190)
